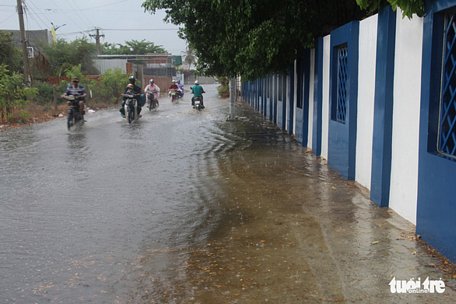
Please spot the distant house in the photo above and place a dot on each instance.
(160, 67)
(36, 40)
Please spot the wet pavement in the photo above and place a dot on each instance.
(189, 207)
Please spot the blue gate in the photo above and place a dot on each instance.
(436, 210)
(343, 99)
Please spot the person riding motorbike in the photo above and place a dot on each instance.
(137, 95)
(197, 91)
(173, 88)
(180, 89)
(152, 88)
(78, 91)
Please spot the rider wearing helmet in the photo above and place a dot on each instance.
(180, 90)
(152, 88)
(137, 93)
(173, 86)
(197, 91)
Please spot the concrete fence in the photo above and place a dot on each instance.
(377, 99)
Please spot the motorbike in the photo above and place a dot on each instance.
(174, 95)
(197, 103)
(153, 102)
(75, 116)
(131, 107)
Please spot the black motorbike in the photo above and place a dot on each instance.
(75, 115)
(198, 103)
(131, 107)
(153, 102)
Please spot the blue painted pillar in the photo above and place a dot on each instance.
(318, 98)
(291, 75)
(306, 101)
(383, 108)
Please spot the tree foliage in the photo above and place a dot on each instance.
(111, 85)
(256, 37)
(10, 55)
(408, 7)
(135, 47)
(252, 37)
(64, 55)
(13, 93)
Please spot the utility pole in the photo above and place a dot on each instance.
(20, 12)
(97, 39)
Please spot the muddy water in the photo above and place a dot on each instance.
(187, 207)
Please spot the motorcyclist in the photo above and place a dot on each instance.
(197, 91)
(173, 86)
(137, 95)
(78, 91)
(152, 88)
(180, 88)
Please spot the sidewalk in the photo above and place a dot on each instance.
(290, 230)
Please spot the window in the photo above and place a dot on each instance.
(339, 106)
(446, 138)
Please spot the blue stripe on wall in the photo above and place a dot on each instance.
(436, 209)
(305, 102)
(383, 108)
(291, 106)
(318, 98)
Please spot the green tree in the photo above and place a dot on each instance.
(256, 37)
(112, 84)
(13, 93)
(9, 54)
(64, 55)
(253, 37)
(133, 47)
(408, 7)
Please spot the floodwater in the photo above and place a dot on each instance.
(189, 207)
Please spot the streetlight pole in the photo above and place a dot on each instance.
(20, 12)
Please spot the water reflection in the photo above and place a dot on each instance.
(186, 207)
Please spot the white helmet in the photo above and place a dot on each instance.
(196, 81)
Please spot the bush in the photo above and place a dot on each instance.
(45, 93)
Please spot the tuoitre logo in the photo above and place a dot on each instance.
(416, 286)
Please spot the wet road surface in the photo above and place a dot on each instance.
(189, 207)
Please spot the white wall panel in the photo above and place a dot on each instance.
(366, 95)
(406, 114)
(325, 105)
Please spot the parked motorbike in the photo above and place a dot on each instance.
(131, 108)
(75, 116)
(153, 101)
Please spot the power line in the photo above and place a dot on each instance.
(142, 29)
(40, 21)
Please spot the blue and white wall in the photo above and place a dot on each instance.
(406, 115)
(385, 132)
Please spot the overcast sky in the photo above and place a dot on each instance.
(118, 20)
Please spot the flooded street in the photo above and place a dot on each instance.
(189, 207)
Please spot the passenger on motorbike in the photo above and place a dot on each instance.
(180, 88)
(197, 91)
(137, 95)
(79, 93)
(152, 88)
